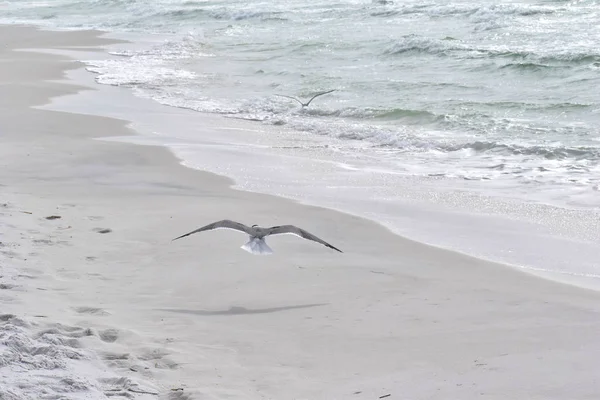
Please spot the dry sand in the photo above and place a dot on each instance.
(86, 314)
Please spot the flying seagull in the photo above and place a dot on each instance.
(256, 244)
(308, 102)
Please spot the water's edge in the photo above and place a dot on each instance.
(148, 118)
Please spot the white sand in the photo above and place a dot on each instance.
(87, 315)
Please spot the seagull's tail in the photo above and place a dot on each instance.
(257, 246)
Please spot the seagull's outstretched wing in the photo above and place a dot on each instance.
(224, 224)
(293, 230)
(311, 99)
(317, 95)
(290, 97)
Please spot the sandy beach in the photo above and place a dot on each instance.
(97, 302)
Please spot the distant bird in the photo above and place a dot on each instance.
(256, 243)
(308, 102)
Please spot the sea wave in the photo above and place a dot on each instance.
(548, 152)
(477, 12)
(421, 44)
(523, 57)
(404, 116)
(408, 139)
(239, 15)
(528, 66)
(190, 46)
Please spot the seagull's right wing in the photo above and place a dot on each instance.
(294, 230)
(224, 224)
(317, 95)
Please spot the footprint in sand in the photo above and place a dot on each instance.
(11, 245)
(49, 242)
(123, 386)
(14, 320)
(45, 356)
(91, 310)
(66, 330)
(178, 395)
(102, 230)
(95, 218)
(116, 360)
(109, 335)
(10, 253)
(154, 354)
(158, 359)
(99, 276)
(7, 286)
(115, 356)
(59, 340)
(7, 317)
(44, 241)
(166, 363)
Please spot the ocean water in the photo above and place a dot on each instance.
(467, 90)
(477, 98)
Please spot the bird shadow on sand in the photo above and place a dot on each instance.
(241, 310)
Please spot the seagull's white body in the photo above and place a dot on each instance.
(256, 243)
(257, 246)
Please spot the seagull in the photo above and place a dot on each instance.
(308, 102)
(256, 244)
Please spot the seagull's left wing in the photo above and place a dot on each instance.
(224, 224)
(290, 97)
(293, 230)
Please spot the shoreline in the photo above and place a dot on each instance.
(395, 316)
(538, 239)
(545, 240)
